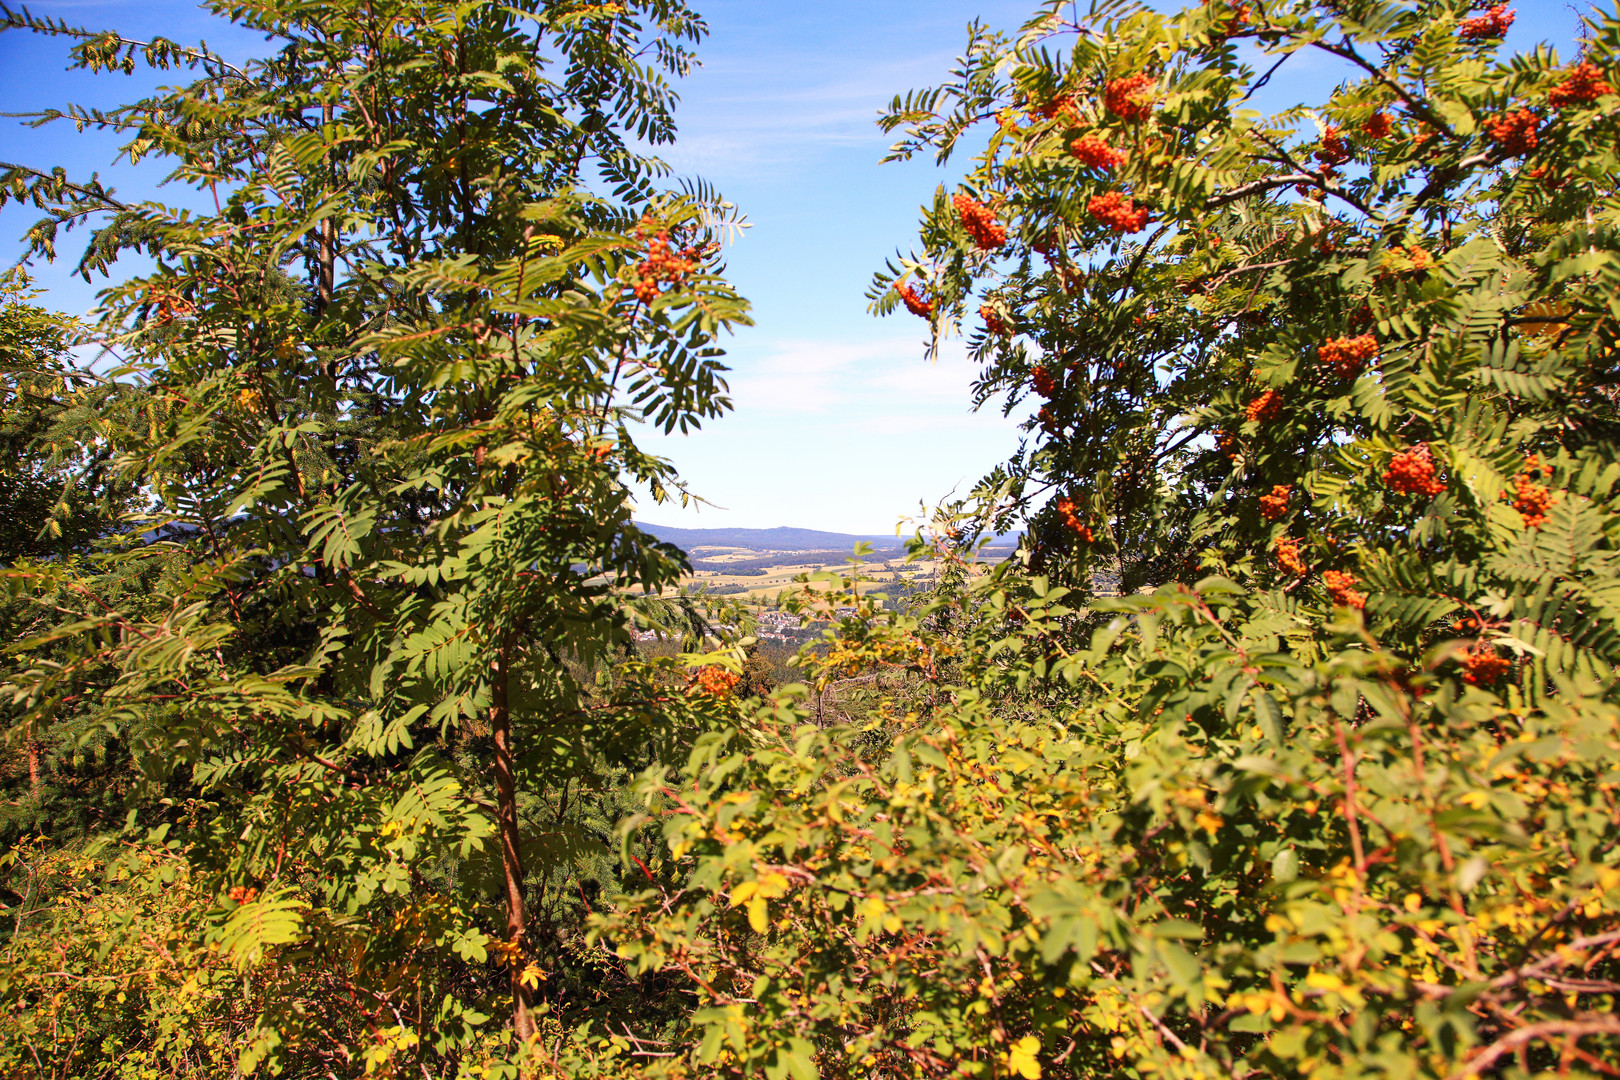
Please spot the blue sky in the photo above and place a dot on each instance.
(840, 423)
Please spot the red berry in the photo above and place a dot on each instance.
(1482, 666)
(915, 304)
(1126, 100)
(1530, 499)
(1094, 150)
(1347, 356)
(1274, 507)
(1265, 408)
(1288, 557)
(715, 681)
(1042, 380)
(1411, 472)
(1065, 508)
(1341, 587)
(1583, 84)
(1493, 24)
(980, 222)
(1059, 105)
(1117, 212)
(1335, 151)
(1515, 132)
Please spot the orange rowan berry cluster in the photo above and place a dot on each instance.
(1117, 212)
(980, 222)
(1540, 173)
(1376, 126)
(663, 267)
(1335, 151)
(1583, 84)
(243, 894)
(915, 304)
(1493, 24)
(1094, 150)
(715, 681)
(1240, 16)
(993, 322)
(1062, 103)
(1274, 507)
(1071, 520)
(1126, 98)
(1226, 444)
(1049, 421)
(1418, 257)
(1514, 132)
(1411, 472)
(1399, 260)
(1483, 667)
(1530, 499)
(1043, 382)
(169, 308)
(1288, 557)
(1341, 587)
(1347, 356)
(1265, 408)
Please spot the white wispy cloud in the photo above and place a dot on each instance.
(765, 116)
(812, 377)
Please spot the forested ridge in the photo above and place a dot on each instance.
(330, 749)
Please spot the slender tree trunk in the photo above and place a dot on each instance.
(500, 717)
(326, 272)
(33, 763)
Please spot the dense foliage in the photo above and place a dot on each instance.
(1332, 789)
(378, 408)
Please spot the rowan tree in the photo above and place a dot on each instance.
(387, 385)
(1331, 789)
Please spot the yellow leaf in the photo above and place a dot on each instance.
(532, 976)
(741, 893)
(773, 885)
(1021, 1058)
(759, 914)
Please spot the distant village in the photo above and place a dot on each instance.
(756, 565)
(770, 625)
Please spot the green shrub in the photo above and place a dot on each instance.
(1332, 789)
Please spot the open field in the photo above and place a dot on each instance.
(769, 574)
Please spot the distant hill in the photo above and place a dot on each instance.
(780, 538)
(783, 538)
